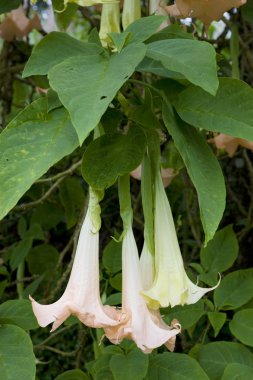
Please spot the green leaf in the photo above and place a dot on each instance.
(217, 321)
(234, 290)
(19, 313)
(241, 326)
(221, 252)
(230, 111)
(116, 282)
(7, 6)
(112, 257)
(42, 258)
(191, 58)
(168, 366)
(247, 11)
(53, 49)
(73, 374)
(17, 360)
(144, 27)
(187, 315)
(112, 155)
(203, 169)
(114, 299)
(130, 366)
(36, 140)
(171, 31)
(64, 18)
(20, 252)
(120, 39)
(72, 198)
(235, 371)
(102, 77)
(214, 357)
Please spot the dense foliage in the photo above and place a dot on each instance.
(75, 114)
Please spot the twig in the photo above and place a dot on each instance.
(62, 174)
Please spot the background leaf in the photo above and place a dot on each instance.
(19, 313)
(214, 357)
(170, 366)
(195, 60)
(203, 169)
(130, 366)
(16, 353)
(74, 374)
(234, 290)
(34, 139)
(230, 111)
(241, 326)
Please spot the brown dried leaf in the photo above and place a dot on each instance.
(17, 25)
(205, 10)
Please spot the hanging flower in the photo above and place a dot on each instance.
(230, 143)
(131, 12)
(81, 297)
(145, 328)
(205, 10)
(110, 21)
(171, 285)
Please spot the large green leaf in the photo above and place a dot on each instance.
(214, 357)
(18, 312)
(235, 371)
(73, 374)
(170, 366)
(17, 360)
(191, 58)
(230, 111)
(203, 168)
(217, 320)
(221, 252)
(87, 85)
(53, 49)
(130, 366)
(7, 6)
(112, 155)
(32, 142)
(187, 315)
(241, 326)
(144, 27)
(234, 290)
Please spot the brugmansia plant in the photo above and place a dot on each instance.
(139, 92)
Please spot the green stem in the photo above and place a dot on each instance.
(126, 212)
(234, 49)
(20, 282)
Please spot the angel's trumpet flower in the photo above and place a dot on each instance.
(146, 329)
(131, 12)
(81, 297)
(171, 285)
(110, 21)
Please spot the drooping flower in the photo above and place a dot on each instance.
(230, 143)
(168, 174)
(144, 327)
(81, 297)
(171, 285)
(131, 12)
(205, 10)
(110, 21)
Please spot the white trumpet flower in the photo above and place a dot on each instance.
(145, 328)
(171, 284)
(81, 297)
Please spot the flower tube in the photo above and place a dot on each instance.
(81, 297)
(144, 328)
(171, 284)
(110, 21)
(131, 12)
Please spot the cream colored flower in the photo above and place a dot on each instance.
(230, 143)
(110, 21)
(81, 297)
(131, 12)
(145, 328)
(171, 285)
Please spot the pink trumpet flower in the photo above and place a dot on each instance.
(81, 297)
(147, 330)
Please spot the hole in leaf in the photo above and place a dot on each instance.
(103, 97)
